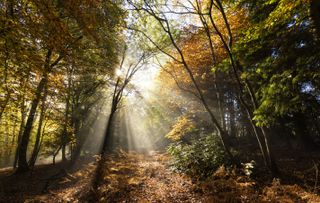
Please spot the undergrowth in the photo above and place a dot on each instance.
(199, 158)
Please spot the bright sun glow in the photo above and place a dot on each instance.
(145, 78)
(135, 127)
(118, 72)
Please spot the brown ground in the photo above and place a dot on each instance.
(133, 177)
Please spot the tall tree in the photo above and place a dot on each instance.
(43, 37)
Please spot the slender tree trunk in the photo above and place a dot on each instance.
(272, 163)
(22, 152)
(22, 162)
(256, 131)
(79, 138)
(108, 133)
(65, 135)
(232, 119)
(36, 147)
(22, 124)
(6, 141)
(13, 139)
(219, 101)
(63, 152)
(55, 155)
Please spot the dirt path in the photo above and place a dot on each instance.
(146, 178)
(129, 177)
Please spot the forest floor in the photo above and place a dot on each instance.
(137, 177)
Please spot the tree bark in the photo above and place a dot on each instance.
(55, 154)
(64, 137)
(108, 133)
(78, 136)
(22, 160)
(36, 147)
(22, 124)
(22, 151)
(232, 118)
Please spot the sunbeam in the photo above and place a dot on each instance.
(135, 127)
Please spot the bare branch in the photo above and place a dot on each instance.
(155, 44)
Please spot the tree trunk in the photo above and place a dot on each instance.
(22, 160)
(232, 119)
(36, 147)
(63, 152)
(219, 101)
(22, 151)
(22, 124)
(108, 133)
(65, 135)
(54, 155)
(79, 137)
(300, 126)
(13, 139)
(271, 160)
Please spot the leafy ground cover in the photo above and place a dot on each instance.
(137, 177)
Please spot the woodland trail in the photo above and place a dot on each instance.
(146, 178)
(142, 178)
(129, 177)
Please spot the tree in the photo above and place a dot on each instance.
(280, 75)
(153, 10)
(117, 95)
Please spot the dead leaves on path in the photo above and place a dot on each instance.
(143, 178)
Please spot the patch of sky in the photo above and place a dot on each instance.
(308, 88)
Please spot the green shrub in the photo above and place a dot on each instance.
(200, 158)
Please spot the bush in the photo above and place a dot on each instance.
(200, 158)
